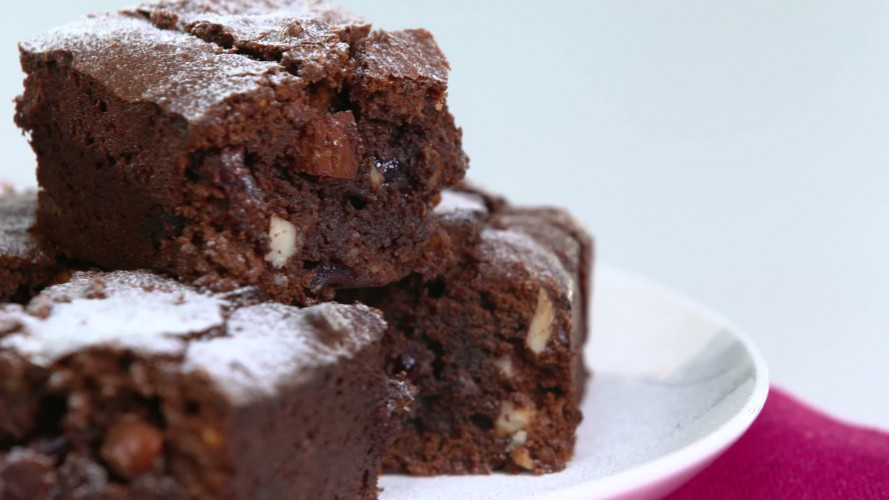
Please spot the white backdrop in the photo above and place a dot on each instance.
(737, 151)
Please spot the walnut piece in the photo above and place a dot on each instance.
(377, 179)
(512, 419)
(522, 457)
(504, 364)
(541, 328)
(283, 239)
(331, 147)
(519, 438)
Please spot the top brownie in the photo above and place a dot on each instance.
(280, 143)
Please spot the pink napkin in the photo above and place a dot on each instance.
(793, 451)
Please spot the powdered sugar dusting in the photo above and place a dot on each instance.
(179, 72)
(130, 310)
(189, 56)
(249, 351)
(191, 9)
(269, 345)
(132, 285)
(409, 54)
(308, 32)
(309, 48)
(457, 205)
(505, 250)
(274, 30)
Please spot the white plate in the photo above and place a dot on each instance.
(674, 386)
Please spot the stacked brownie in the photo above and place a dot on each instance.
(131, 385)
(493, 343)
(261, 273)
(232, 145)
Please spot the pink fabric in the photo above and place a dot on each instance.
(792, 451)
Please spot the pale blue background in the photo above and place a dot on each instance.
(735, 150)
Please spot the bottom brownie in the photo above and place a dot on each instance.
(494, 345)
(127, 385)
(25, 265)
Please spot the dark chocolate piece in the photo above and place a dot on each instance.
(494, 345)
(129, 385)
(279, 143)
(26, 263)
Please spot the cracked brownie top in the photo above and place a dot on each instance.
(283, 144)
(247, 347)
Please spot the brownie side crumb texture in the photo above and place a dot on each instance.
(494, 345)
(281, 144)
(26, 262)
(127, 385)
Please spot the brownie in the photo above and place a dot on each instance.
(280, 144)
(494, 344)
(26, 263)
(129, 385)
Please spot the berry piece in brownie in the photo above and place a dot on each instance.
(281, 144)
(26, 264)
(494, 345)
(129, 385)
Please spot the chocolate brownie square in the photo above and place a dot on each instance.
(128, 385)
(26, 263)
(281, 144)
(494, 345)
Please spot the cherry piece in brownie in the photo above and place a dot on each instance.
(494, 345)
(281, 144)
(127, 385)
(26, 264)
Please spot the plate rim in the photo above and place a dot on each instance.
(700, 452)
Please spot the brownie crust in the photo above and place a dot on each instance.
(494, 345)
(281, 144)
(217, 396)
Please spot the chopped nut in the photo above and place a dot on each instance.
(504, 364)
(521, 457)
(284, 240)
(376, 178)
(541, 328)
(131, 447)
(331, 147)
(520, 437)
(512, 420)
